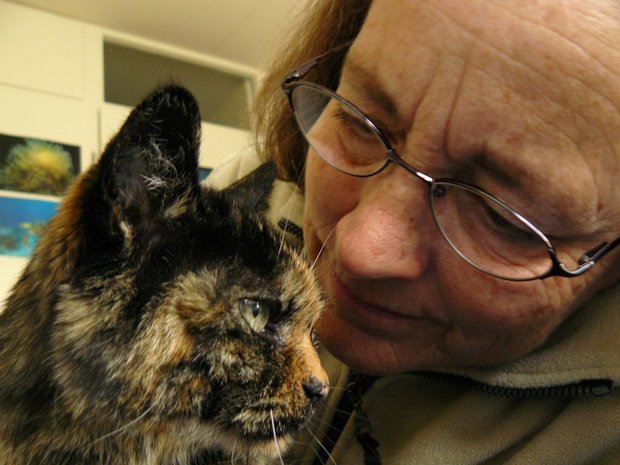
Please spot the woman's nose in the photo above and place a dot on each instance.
(390, 231)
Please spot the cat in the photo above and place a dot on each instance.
(159, 321)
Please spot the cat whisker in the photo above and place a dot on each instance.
(337, 388)
(346, 412)
(290, 207)
(275, 437)
(321, 446)
(318, 255)
(233, 459)
(328, 424)
(302, 173)
(316, 453)
(124, 427)
(283, 237)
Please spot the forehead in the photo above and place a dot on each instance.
(535, 84)
(537, 51)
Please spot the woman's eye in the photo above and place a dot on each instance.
(256, 312)
(359, 149)
(516, 232)
(353, 123)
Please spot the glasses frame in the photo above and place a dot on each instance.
(295, 78)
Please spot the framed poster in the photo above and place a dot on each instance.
(37, 166)
(203, 173)
(22, 220)
(34, 174)
(30, 121)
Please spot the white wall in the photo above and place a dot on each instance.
(51, 87)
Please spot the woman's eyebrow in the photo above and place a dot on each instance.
(365, 81)
(376, 102)
(506, 175)
(369, 86)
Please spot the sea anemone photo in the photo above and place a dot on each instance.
(37, 166)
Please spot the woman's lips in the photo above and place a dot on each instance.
(370, 318)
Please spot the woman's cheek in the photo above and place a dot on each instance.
(329, 195)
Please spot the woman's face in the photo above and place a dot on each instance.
(520, 99)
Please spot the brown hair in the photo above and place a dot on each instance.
(324, 25)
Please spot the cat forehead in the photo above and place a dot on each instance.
(246, 250)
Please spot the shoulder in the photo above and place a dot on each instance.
(233, 169)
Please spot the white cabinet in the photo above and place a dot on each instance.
(41, 52)
(52, 87)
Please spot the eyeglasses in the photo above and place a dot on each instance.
(479, 227)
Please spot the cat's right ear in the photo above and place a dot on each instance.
(150, 168)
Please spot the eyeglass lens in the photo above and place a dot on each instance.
(487, 234)
(478, 227)
(335, 130)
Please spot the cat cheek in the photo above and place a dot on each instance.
(314, 363)
(309, 369)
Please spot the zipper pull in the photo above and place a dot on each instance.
(362, 425)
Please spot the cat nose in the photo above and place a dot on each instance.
(315, 389)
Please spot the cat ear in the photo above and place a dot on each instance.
(253, 191)
(150, 168)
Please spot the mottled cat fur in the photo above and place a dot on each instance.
(158, 322)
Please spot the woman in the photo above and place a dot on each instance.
(457, 162)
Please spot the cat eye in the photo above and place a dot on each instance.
(257, 312)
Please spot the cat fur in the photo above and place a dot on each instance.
(127, 340)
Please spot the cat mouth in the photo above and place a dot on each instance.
(267, 439)
(269, 421)
(268, 449)
(230, 441)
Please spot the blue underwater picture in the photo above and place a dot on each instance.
(203, 173)
(34, 175)
(22, 221)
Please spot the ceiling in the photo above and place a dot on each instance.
(242, 31)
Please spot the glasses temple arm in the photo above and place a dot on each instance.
(599, 251)
(587, 260)
(299, 72)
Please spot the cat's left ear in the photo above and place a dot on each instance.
(150, 168)
(253, 191)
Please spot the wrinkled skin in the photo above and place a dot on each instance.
(533, 88)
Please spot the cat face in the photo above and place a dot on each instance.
(180, 320)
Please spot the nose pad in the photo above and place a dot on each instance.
(315, 389)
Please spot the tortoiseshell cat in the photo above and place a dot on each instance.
(159, 322)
